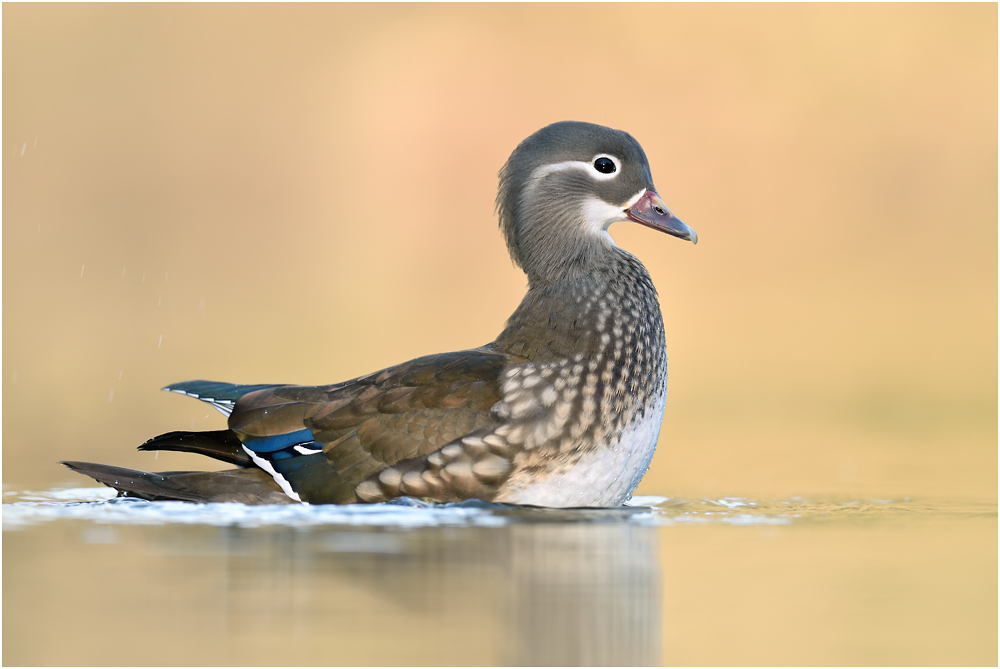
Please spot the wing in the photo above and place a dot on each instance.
(321, 442)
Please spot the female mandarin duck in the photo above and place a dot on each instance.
(562, 410)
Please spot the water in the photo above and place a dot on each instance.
(665, 581)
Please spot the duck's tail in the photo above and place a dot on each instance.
(245, 486)
(221, 444)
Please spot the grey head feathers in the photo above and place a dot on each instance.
(555, 201)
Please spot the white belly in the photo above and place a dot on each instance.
(604, 477)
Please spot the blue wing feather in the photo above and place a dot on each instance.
(277, 454)
(279, 442)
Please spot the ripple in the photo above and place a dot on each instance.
(99, 505)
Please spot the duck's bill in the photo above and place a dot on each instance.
(650, 211)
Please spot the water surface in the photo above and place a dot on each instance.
(665, 581)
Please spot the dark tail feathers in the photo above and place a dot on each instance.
(222, 445)
(246, 486)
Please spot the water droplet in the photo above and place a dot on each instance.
(161, 342)
(111, 395)
(81, 269)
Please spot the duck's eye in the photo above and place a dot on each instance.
(604, 165)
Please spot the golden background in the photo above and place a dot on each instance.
(304, 194)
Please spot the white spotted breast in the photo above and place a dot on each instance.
(602, 477)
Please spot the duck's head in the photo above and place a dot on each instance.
(564, 186)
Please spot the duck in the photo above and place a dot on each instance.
(562, 409)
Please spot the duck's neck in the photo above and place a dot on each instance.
(583, 313)
(557, 239)
(567, 262)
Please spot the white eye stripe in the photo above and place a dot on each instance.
(545, 170)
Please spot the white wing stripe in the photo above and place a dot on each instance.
(278, 478)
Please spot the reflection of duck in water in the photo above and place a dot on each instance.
(563, 409)
(586, 595)
(573, 588)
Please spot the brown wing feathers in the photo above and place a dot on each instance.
(398, 415)
(380, 420)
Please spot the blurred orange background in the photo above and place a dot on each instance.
(304, 193)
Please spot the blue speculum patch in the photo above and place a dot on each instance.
(278, 442)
